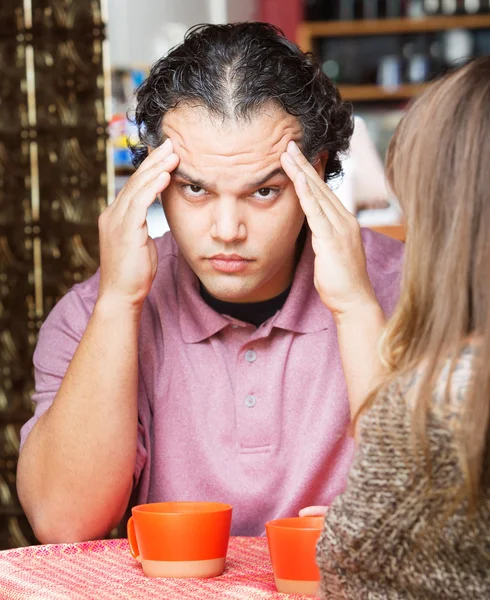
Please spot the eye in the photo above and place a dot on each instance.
(266, 193)
(194, 191)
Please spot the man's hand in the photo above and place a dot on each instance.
(341, 277)
(128, 256)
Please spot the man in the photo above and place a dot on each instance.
(205, 365)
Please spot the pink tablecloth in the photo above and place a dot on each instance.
(105, 570)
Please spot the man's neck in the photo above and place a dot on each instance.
(255, 313)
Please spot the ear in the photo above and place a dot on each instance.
(321, 163)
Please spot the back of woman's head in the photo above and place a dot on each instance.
(438, 166)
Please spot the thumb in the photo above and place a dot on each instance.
(313, 511)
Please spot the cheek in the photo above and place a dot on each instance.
(186, 222)
(287, 215)
(277, 230)
(173, 213)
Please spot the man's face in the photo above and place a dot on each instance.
(232, 210)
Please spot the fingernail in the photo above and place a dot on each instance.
(286, 157)
(293, 147)
(166, 144)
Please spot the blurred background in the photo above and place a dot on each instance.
(69, 70)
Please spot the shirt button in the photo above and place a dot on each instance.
(250, 401)
(250, 356)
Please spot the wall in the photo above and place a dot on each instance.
(53, 187)
(140, 32)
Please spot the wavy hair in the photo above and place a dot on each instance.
(437, 165)
(234, 71)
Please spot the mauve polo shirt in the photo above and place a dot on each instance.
(255, 417)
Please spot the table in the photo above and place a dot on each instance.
(105, 570)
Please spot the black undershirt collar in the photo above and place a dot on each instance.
(255, 313)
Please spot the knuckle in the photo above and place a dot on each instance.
(353, 224)
(131, 183)
(103, 218)
(107, 221)
(324, 189)
(302, 161)
(319, 212)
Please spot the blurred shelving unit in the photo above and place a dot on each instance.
(380, 64)
(367, 93)
(310, 32)
(307, 31)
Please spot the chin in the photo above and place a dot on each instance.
(228, 295)
(229, 291)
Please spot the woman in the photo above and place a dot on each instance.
(414, 521)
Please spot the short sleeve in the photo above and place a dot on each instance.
(384, 257)
(58, 340)
(144, 425)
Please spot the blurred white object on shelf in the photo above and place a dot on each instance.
(363, 188)
(156, 221)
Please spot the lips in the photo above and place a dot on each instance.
(229, 263)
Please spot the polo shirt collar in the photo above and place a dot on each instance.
(303, 311)
(198, 321)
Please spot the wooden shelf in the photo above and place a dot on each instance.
(124, 171)
(365, 93)
(313, 29)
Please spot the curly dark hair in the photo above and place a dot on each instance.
(234, 70)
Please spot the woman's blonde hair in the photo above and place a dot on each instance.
(438, 165)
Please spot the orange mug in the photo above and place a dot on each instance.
(180, 539)
(292, 546)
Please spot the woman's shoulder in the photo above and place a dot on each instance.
(451, 383)
(447, 393)
(455, 378)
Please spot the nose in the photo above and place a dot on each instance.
(228, 223)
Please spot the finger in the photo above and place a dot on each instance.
(318, 221)
(135, 216)
(300, 159)
(329, 201)
(140, 236)
(140, 179)
(317, 184)
(159, 153)
(313, 511)
(296, 173)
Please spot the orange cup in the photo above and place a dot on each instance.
(292, 546)
(180, 539)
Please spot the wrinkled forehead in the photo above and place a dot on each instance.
(208, 144)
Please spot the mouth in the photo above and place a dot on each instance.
(229, 263)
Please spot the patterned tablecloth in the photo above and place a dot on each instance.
(105, 570)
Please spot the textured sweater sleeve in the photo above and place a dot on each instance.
(371, 530)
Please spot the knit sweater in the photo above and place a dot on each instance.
(396, 532)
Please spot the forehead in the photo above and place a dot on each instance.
(207, 144)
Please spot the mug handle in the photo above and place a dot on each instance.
(133, 543)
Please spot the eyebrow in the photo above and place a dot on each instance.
(279, 171)
(255, 185)
(195, 180)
